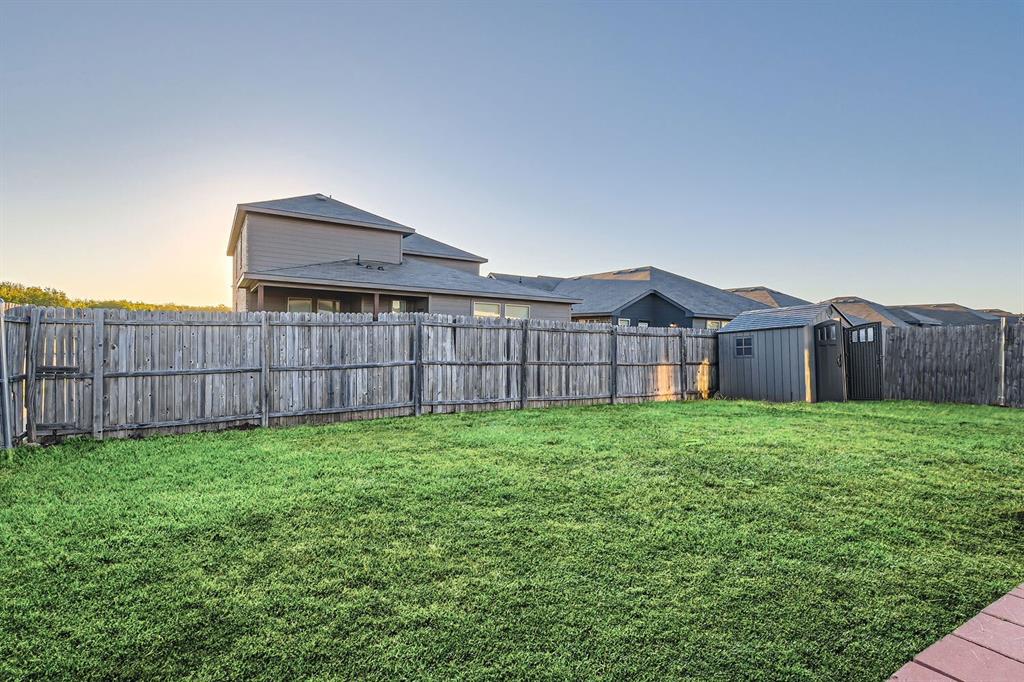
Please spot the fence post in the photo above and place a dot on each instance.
(98, 334)
(613, 377)
(417, 368)
(1002, 361)
(683, 378)
(265, 357)
(523, 352)
(31, 381)
(5, 400)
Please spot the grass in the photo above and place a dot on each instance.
(715, 540)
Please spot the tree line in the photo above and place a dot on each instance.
(13, 292)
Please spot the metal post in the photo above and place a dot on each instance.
(5, 401)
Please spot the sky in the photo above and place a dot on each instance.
(822, 149)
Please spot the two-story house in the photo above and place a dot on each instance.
(315, 254)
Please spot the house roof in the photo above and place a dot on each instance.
(948, 314)
(771, 297)
(418, 245)
(604, 293)
(869, 311)
(313, 207)
(779, 318)
(411, 275)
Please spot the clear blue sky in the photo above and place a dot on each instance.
(823, 149)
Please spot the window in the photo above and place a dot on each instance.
(643, 323)
(326, 305)
(714, 324)
(300, 305)
(517, 312)
(623, 321)
(831, 332)
(744, 346)
(871, 333)
(399, 306)
(486, 309)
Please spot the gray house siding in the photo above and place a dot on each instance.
(277, 242)
(776, 371)
(656, 311)
(464, 265)
(463, 305)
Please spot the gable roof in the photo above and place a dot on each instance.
(771, 297)
(313, 207)
(948, 314)
(410, 275)
(780, 318)
(604, 293)
(418, 245)
(869, 311)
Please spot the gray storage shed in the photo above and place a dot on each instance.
(784, 354)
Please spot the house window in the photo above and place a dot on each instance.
(486, 309)
(326, 305)
(623, 321)
(713, 324)
(300, 305)
(517, 312)
(744, 346)
(399, 306)
(643, 323)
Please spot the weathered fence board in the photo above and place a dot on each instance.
(114, 373)
(955, 364)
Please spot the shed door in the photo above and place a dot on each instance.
(828, 360)
(864, 361)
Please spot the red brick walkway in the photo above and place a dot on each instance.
(987, 648)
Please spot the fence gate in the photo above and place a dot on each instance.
(864, 361)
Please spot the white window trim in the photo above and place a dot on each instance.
(474, 304)
(504, 310)
(624, 321)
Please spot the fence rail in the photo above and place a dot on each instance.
(118, 373)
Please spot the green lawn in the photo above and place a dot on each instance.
(715, 540)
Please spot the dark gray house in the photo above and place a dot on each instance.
(784, 354)
(316, 254)
(923, 315)
(645, 296)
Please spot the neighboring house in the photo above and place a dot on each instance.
(924, 315)
(645, 296)
(946, 314)
(315, 254)
(771, 297)
(1011, 318)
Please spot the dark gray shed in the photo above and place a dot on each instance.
(784, 354)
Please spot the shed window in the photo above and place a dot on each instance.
(871, 334)
(517, 312)
(486, 309)
(300, 305)
(744, 346)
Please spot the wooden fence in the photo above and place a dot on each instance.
(981, 364)
(119, 373)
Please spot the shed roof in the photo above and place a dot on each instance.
(604, 293)
(778, 318)
(411, 275)
(418, 245)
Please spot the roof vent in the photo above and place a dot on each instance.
(380, 267)
(321, 197)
